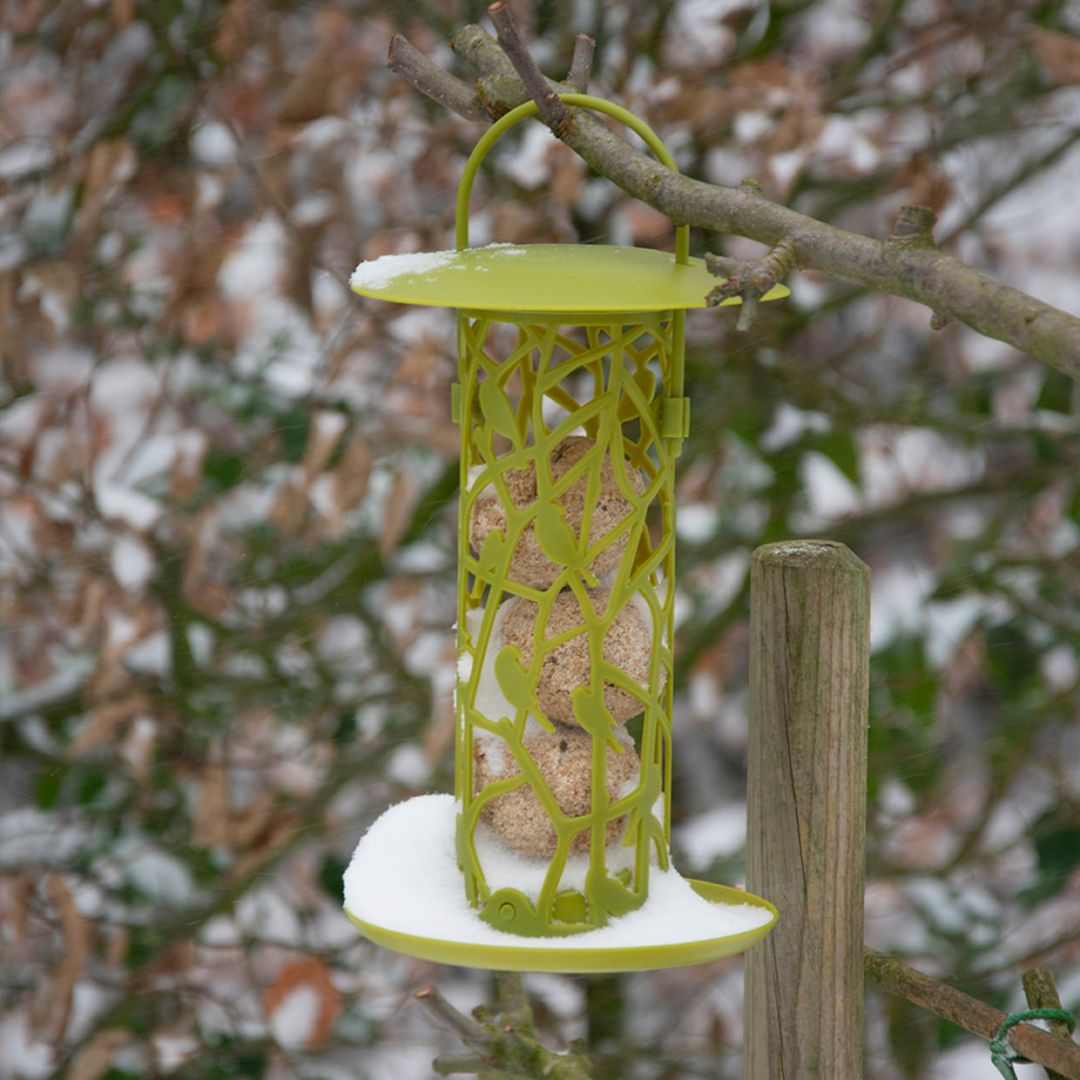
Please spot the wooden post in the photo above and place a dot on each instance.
(806, 822)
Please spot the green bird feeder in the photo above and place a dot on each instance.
(552, 854)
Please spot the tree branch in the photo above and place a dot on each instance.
(581, 64)
(411, 64)
(472, 1034)
(749, 279)
(1041, 993)
(1050, 1051)
(953, 290)
(503, 1038)
(553, 112)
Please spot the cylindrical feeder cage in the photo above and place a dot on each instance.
(571, 407)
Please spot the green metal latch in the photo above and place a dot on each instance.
(675, 417)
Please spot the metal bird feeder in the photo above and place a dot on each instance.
(572, 412)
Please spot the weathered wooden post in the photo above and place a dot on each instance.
(809, 688)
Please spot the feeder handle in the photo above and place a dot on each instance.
(530, 108)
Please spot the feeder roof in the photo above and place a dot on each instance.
(585, 278)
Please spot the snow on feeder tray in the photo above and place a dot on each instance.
(552, 855)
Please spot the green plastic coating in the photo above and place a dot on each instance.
(554, 956)
(571, 411)
(528, 381)
(516, 407)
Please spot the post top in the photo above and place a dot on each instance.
(586, 278)
(810, 554)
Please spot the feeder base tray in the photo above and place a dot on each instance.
(403, 890)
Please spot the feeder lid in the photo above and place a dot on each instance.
(578, 278)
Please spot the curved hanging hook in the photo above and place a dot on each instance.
(530, 108)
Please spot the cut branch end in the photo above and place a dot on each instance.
(558, 117)
(750, 279)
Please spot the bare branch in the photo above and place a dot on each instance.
(553, 112)
(472, 1034)
(1041, 993)
(511, 1002)
(449, 1064)
(1050, 1051)
(502, 1037)
(581, 65)
(430, 79)
(749, 279)
(914, 226)
(953, 290)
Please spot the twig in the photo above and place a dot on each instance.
(949, 287)
(511, 1002)
(914, 227)
(1041, 993)
(750, 279)
(502, 1038)
(553, 112)
(472, 1034)
(581, 64)
(1050, 1051)
(449, 91)
(449, 1064)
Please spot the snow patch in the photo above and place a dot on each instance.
(404, 877)
(292, 1023)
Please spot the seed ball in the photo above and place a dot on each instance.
(564, 760)
(628, 645)
(529, 565)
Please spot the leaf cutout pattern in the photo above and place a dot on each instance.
(592, 715)
(556, 538)
(608, 895)
(513, 679)
(492, 558)
(497, 411)
(646, 382)
(606, 385)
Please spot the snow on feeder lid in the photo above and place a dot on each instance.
(552, 855)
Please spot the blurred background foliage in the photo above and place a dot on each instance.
(227, 498)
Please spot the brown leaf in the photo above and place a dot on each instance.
(210, 821)
(567, 174)
(310, 94)
(55, 286)
(236, 31)
(187, 465)
(326, 430)
(102, 721)
(419, 365)
(351, 476)
(116, 948)
(138, 748)
(19, 888)
(922, 182)
(54, 1008)
(109, 165)
(398, 510)
(1059, 55)
(289, 507)
(309, 977)
(199, 590)
(250, 822)
(267, 845)
(95, 1058)
(439, 736)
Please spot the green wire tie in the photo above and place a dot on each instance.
(1003, 1055)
